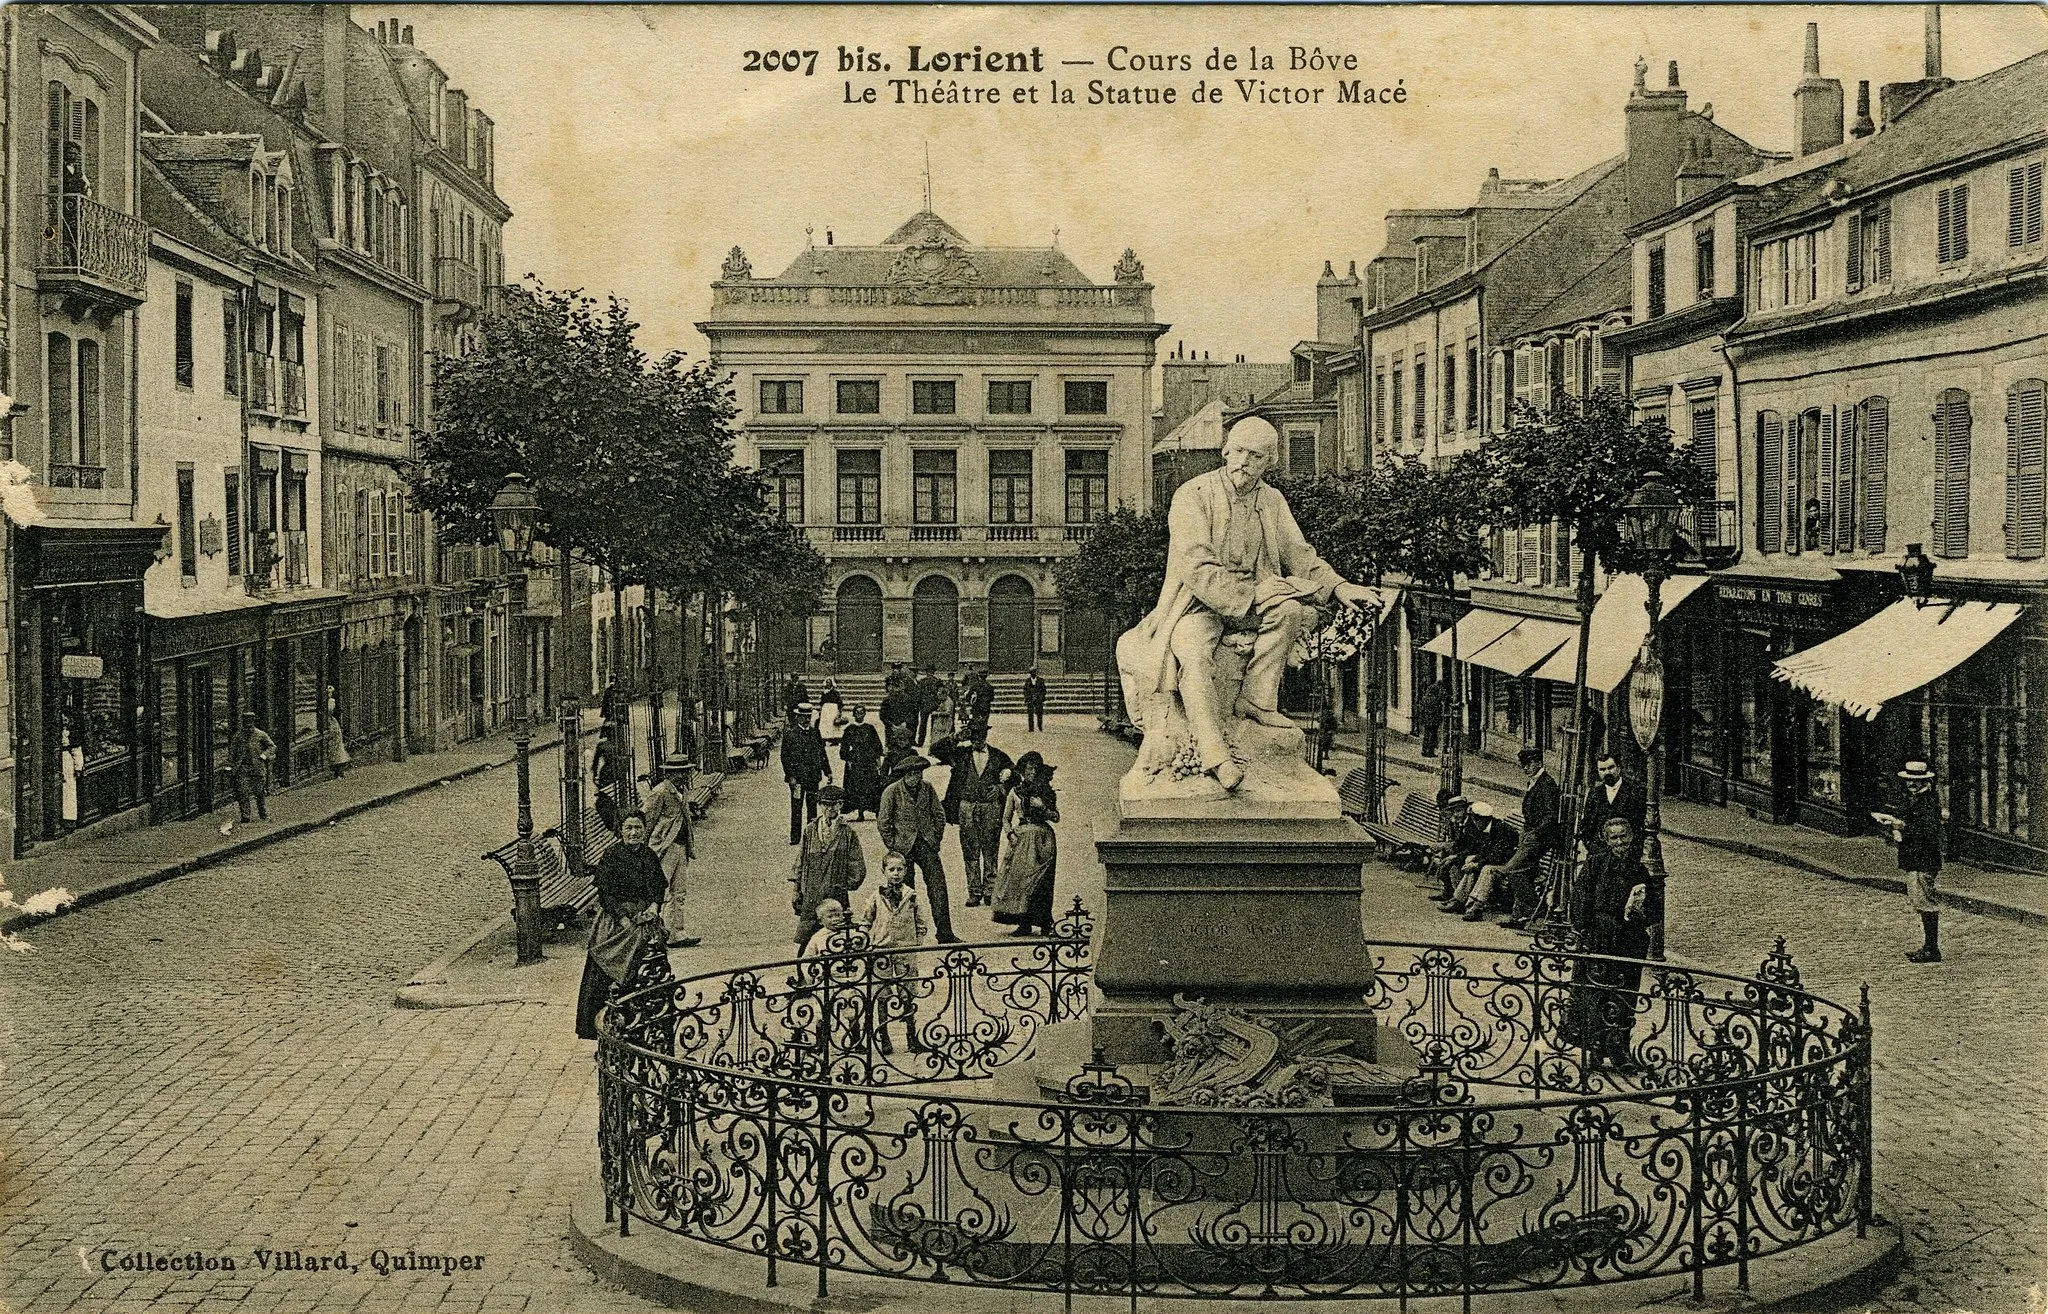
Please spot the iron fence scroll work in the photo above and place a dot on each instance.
(768, 1111)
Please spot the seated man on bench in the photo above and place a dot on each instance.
(1542, 830)
(1487, 842)
(1445, 859)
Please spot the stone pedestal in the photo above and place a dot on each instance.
(1238, 907)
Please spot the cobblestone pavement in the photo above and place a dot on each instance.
(214, 1065)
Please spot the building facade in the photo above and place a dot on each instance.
(946, 421)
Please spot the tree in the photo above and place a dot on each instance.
(1577, 464)
(1120, 568)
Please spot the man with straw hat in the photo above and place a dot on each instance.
(1916, 829)
(912, 822)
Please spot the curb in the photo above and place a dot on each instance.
(215, 857)
(1748, 848)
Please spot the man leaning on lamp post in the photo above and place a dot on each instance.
(1236, 563)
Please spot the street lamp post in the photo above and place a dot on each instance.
(515, 513)
(1649, 525)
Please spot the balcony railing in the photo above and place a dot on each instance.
(1121, 296)
(262, 376)
(935, 533)
(294, 389)
(84, 239)
(1713, 527)
(456, 282)
(1079, 533)
(856, 533)
(295, 558)
(77, 476)
(1012, 533)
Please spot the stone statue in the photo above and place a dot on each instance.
(1242, 585)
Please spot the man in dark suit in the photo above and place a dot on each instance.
(1916, 828)
(979, 698)
(976, 789)
(1617, 901)
(1611, 796)
(899, 712)
(1542, 831)
(804, 768)
(1486, 842)
(926, 692)
(1034, 701)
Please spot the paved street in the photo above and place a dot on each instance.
(214, 1065)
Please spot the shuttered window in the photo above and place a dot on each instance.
(1874, 422)
(2026, 469)
(1823, 537)
(2023, 205)
(1845, 481)
(1952, 224)
(1770, 481)
(1952, 474)
(1500, 391)
(1704, 456)
(232, 483)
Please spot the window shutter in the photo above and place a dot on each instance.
(2026, 470)
(1500, 393)
(1532, 554)
(2016, 207)
(232, 479)
(2034, 171)
(1876, 425)
(1959, 222)
(1845, 480)
(1880, 239)
(1824, 487)
(1571, 369)
(1704, 456)
(1952, 474)
(1944, 227)
(1854, 268)
(1770, 447)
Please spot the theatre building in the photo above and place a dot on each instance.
(946, 421)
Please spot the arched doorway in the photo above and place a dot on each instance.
(1012, 608)
(857, 626)
(935, 623)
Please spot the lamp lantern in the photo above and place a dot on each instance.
(515, 514)
(1649, 519)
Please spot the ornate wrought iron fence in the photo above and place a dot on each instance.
(767, 1111)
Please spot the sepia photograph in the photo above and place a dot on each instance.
(1023, 659)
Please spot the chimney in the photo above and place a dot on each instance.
(1896, 99)
(828, 237)
(1816, 103)
(408, 34)
(1933, 42)
(1656, 133)
(1864, 127)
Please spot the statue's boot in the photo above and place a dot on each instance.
(1229, 775)
(1265, 716)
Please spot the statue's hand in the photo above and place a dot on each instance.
(1355, 596)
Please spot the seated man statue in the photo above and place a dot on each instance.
(1239, 572)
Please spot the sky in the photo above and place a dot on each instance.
(636, 149)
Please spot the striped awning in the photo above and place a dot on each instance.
(1523, 648)
(1621, 621)
(1894, 652)
(1474, 630)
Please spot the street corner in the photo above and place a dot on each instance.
(484, 969)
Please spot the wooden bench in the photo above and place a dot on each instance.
(1357, 796)
(1417, 823)
(702, 790)
(564, 896)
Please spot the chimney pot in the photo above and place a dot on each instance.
(408, 34)
(828, 237)
(1671, 75)
(1351, 270)
(1864, 127)
(1813, 50)
(1327, 271)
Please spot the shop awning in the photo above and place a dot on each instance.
(1621, 621)
(1522, 648)
(1474, 630)
(1894, 652)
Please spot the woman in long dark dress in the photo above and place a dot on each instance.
(1024, 887)
(860, 748)
(630, 888)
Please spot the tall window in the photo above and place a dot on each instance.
(933, 396)
(231, 485)
(785, 472)
(60, 406)
(1379, 404)
(231, 346)
(90, 456)
(1705, 454)
(782, 397)
(1449, 419)
(1870, 248)
(188, 529)
(1656, 280)
(2026, 468)
(860, 396)
(2023, 205)
(1009, 397)
(860, 487)
(1952, 224)
(296, 552)
(1087, 487)
(1421, 392)
(1087, 397)
(1471, 383)
(935, 487)
(1842, 490)
(1703, 261)
(181, 354)
(1009, 487)
(1301, 453)
(1398, 427)
(1873, 437)
(1952, 474)
(385, 398)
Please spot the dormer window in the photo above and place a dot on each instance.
(272, 232)
(258, 209)
(283, 222)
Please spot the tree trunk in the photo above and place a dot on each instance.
(575, 645)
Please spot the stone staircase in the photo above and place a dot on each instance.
(1072, 694)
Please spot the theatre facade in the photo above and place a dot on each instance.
(945, 421)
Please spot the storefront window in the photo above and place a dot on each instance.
(1703, 716)
(170, 742)
(1751, 708)
(306, 686)
(1823, 782)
